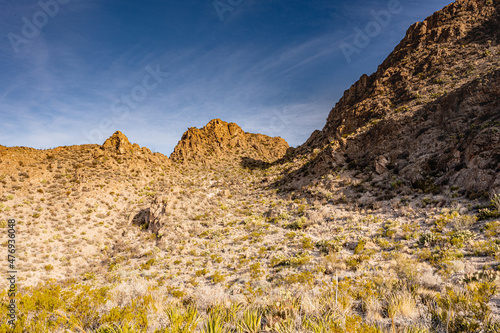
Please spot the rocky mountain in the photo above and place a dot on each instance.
(378, 223)
(429, 114)
(219, 140)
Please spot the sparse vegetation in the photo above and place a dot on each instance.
(233, 234)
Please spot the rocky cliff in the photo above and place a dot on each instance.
(430, 113)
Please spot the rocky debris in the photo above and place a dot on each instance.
(381, 164)
(219, 140)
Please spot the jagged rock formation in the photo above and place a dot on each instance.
(157, 212)
(219, 140)
(448, 49)
(430, 113)
(118, 143)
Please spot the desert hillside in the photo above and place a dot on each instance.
(386, 220)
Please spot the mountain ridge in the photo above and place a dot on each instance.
(438, 57)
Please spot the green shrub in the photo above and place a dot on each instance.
(464, 310)
(428, 238)
(298, 224)
(217, 277)
(485, 214)
(299, 259)
(459, 237)
(330, 246)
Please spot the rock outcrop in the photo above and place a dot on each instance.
(447, 50)
(220, 140)
(430, 114)
(157, 213)
(118, 143)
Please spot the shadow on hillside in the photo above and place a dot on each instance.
(140, 218)
(488, 31)
(253, 164)
(396, 138)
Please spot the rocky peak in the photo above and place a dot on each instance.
(118, 143)
(219, 139)
(429, 114)
(445, 51)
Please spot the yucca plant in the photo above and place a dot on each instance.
(285, 326)
(320, 324)
(495, 201)
(214, 324)
(182, 321)
(226, 314)
(251, 322)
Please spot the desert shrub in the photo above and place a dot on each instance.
(389, 229)
(256, 270)
(298, 224)
(147, 265)
(330, 246)
(410, 230)
(136, 312)
(360, 246)
(217, 277)
(464, 222)
(355, 261)
(335, 323)
(305, 277)
(428, 238)
(299, 259)
(495, 201)
(463, 310)
(485, 214)
(459, 237)
(307, 243)
(485, 248)
(492, 229)
(484, 275)
(444, 219)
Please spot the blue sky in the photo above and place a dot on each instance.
(75, 71)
